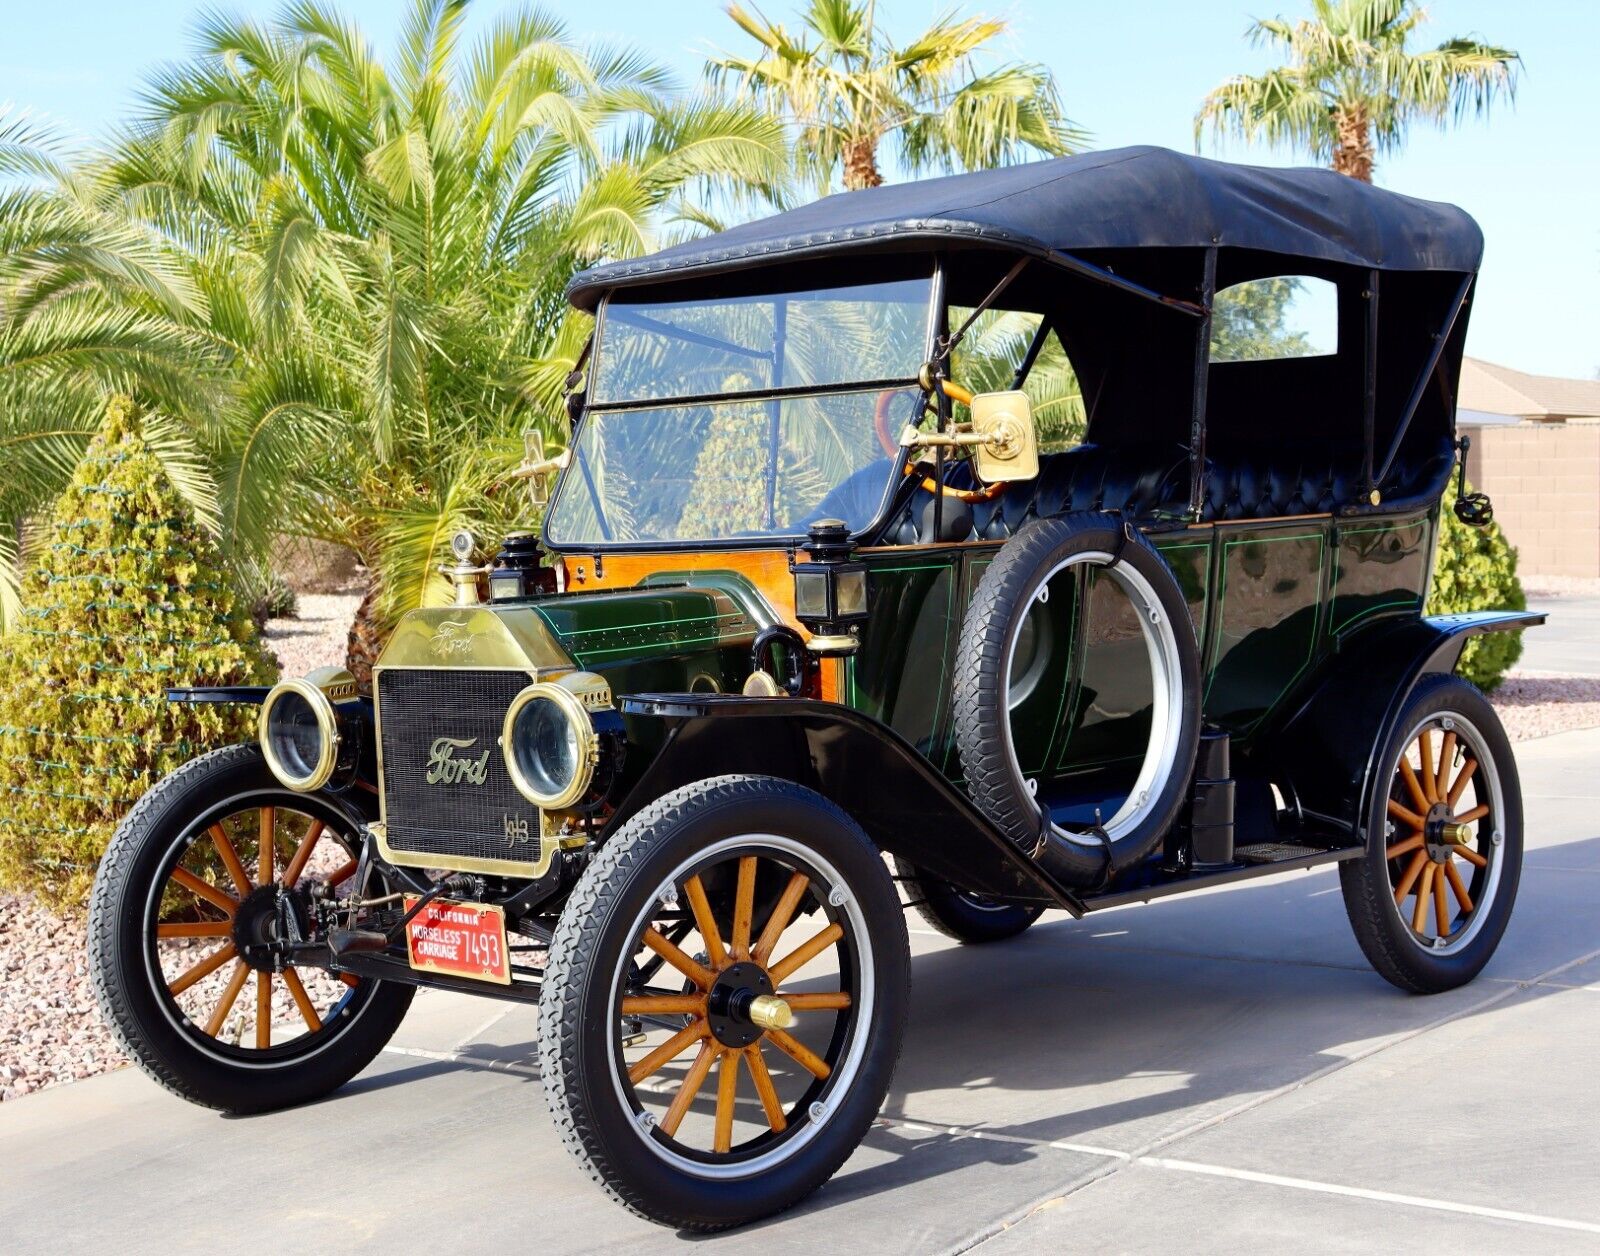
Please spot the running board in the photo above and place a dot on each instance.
(1260, 860)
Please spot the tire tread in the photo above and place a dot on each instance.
(562, 1048)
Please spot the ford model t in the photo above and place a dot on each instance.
(812, 612)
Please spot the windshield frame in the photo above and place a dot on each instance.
(934, 328)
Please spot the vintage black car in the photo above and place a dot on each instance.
(811, 614)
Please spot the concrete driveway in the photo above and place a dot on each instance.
(1569, 643)
(1218, 1073)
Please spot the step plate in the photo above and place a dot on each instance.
(1273, 852)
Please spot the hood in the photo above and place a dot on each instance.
(675, 638)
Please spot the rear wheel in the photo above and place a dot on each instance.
(1431, 897)
(197, 885)
(962, 914)
(724, 1002)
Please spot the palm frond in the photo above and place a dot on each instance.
(1352, 78)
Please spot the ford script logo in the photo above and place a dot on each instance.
(452, 640)
(445, 769)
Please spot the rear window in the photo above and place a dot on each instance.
(1284, 316)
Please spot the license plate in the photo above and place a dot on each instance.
(462, 939)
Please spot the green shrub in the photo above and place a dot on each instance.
(126, 598)
(1476, 570)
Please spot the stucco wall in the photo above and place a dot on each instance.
(1545, 482)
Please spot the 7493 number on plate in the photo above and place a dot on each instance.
(462, 939)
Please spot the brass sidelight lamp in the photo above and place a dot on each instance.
(830, 591)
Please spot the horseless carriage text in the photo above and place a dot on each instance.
(808, 595)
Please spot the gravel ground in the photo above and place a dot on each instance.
(316, 638)
(50, 1030)
(1537, 704)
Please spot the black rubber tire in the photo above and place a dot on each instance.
(1003, 596)
(960, 915)
(1384, 937)
(118, 965)
(574, 1007)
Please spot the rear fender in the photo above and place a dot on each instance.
(1326, 750)
(902, 802)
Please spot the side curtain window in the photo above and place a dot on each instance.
(1283, 316)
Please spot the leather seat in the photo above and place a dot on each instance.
(1139, 482)
(1131, 480)
(1247, 485)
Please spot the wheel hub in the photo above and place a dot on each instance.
(733, 998)
(261, 926)
(1442, 834)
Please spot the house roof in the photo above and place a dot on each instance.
(1495, 389)
(1118, 199)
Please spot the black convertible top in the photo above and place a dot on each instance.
(1123, 198)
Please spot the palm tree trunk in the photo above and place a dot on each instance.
(1352, 153)
(861, 164)
(366, 638)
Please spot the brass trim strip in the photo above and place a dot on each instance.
(469, 863)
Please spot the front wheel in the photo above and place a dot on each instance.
(1431, 897)
(724, 1003)
(194, 897)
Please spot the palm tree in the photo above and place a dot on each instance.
(1353, 84)
(846, 89)
(89, 299)
(373, 258)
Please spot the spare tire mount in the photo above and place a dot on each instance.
(1020, 577)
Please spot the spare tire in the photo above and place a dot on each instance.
(994, 685)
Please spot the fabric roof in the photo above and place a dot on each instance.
(1118, 199)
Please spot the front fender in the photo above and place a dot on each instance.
(902, 802)
(1326, 750)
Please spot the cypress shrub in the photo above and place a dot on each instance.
(126, 597)
(1476, 570)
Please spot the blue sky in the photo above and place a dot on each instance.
(1131, 72)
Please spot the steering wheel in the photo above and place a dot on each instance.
(891, 446)
(880, 421)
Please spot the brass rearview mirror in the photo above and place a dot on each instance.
(1001, 435)
(1010, 444)
(538, 469)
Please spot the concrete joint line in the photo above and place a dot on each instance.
(1384, 1197)
(466, 1061)
(1146, 1153)
(499, 1015)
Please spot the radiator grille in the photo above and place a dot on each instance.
(454, 816)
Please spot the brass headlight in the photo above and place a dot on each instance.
(299, 735)
(550, 744)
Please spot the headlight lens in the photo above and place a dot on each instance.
(550, 746)
(299, 735)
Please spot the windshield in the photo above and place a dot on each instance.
(684, 439)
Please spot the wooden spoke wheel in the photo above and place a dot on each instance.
(724, 1002)
(1443, 835)
(765, 1003)
(1430, 897)
(234, 895)
(201, 892)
